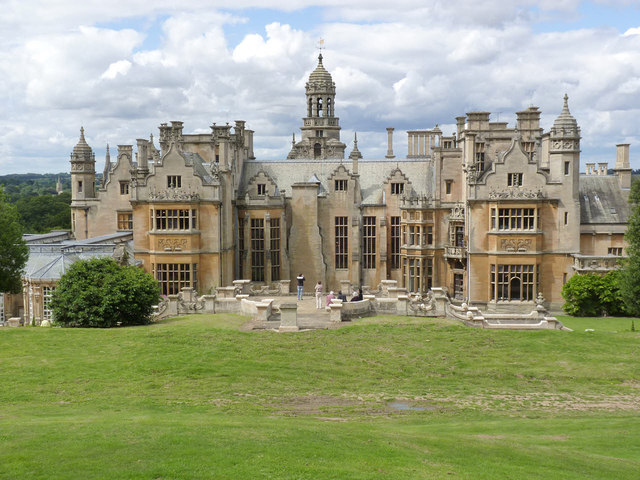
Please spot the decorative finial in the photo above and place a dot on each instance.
(81, 133)
(108, 155)
(355, 139)
(293, 139)
(320, 47)
(565, 107)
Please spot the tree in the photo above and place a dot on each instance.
(13, 250)
(591, 295)
(630, 274)
(101, 293)
(43, 213)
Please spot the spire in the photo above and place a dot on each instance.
(355, 153)
(107, 167)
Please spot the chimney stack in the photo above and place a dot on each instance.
(390, 143)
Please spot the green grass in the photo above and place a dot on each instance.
(196, 397)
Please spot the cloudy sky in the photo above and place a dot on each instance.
(122, 67)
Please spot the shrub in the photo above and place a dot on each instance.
(591, 295)
(100, 293)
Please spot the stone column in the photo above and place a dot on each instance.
(305, 239)
(267, 248)
(356, 255)
(285, 269)
(246, 273)
(383, 248)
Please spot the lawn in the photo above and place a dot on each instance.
(387, 398)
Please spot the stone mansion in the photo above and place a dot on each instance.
(493, 213)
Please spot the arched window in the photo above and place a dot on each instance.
(329, 107)
(317, 150)
(319, 107)
(310, 107)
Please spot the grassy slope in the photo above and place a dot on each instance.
(196, 398)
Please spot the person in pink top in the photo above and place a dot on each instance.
(330, 297)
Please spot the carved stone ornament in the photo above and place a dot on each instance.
(172, 244)
(457, 212)
(173, 194)
(515, 244)
(516, 193)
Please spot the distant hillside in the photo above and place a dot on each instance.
(41, 209)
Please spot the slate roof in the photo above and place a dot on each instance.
(601, 200)
(50, 262)
(195, 160)
(373, 173)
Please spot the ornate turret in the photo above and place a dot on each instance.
(320, 128)
(564, 150)
(566, 126)
(83, 170)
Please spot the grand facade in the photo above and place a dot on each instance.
(495, 214)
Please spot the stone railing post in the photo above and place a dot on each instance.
(288, 317)
(285, 287)
(439, 301)
(403, 305)
(335, 313)
(244, 285)
(345, 287)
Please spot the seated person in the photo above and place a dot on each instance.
(341, 296)
(330, 297)
(358, 296)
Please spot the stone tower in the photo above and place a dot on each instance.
(320, 128)
(83, 170)
(83, 186)
(564, 167)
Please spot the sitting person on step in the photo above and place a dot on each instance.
(358, 296)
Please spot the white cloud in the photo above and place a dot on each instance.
(410, 64)
(121, 67)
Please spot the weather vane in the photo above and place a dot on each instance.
(321, 45)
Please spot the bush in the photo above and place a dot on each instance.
(100, 293)
(591, 295)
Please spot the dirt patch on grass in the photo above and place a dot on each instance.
(381, 404)
(315, 404)
(541, 401)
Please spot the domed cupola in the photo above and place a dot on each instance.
(321, 92)
(320, 76)
(320, 128)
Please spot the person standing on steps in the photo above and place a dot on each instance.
(300, 279)
(318, 295)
